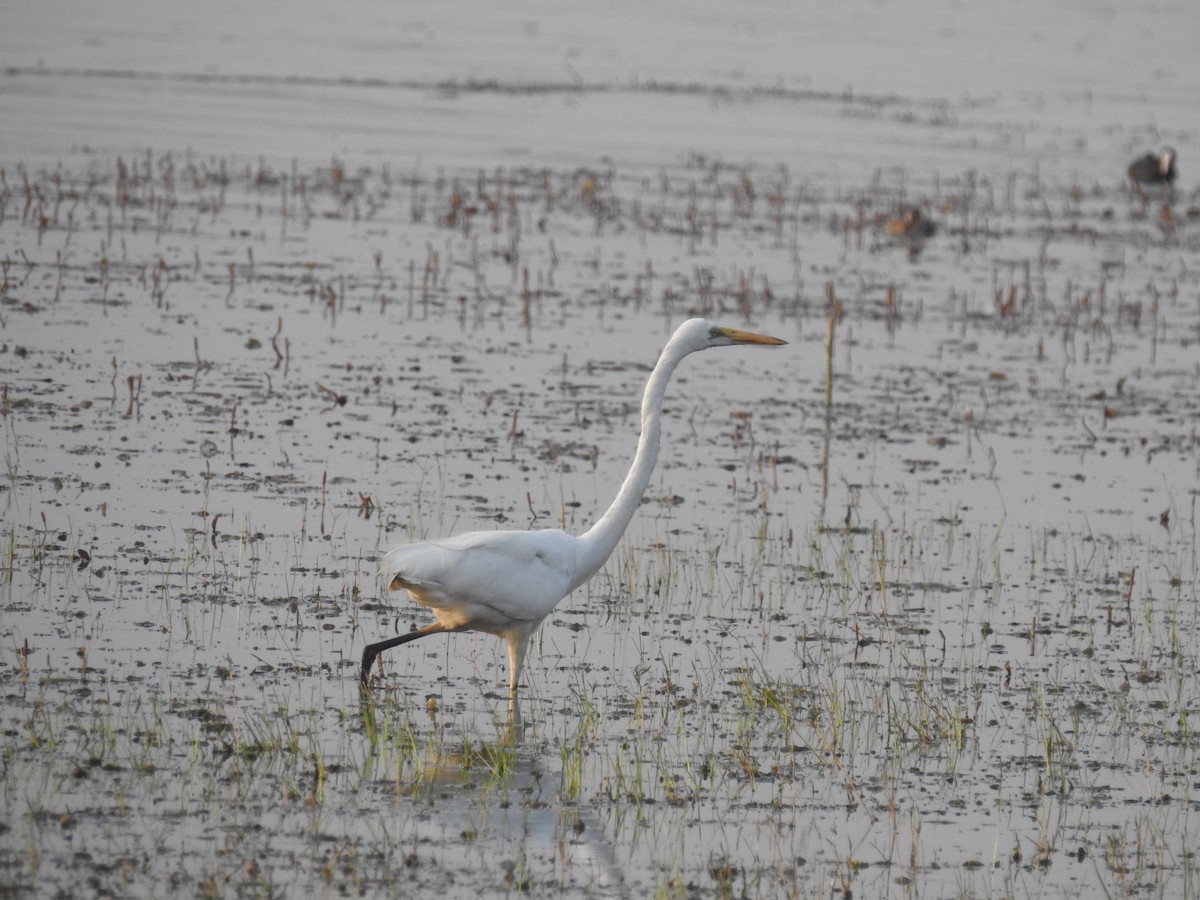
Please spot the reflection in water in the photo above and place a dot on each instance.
(497, 801)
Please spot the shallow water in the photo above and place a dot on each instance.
(936, 635)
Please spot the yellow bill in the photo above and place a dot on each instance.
(749, 337)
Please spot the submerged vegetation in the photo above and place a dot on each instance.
(919, 618)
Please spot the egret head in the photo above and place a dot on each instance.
(700, 334)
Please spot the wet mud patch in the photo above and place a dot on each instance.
(911, 606)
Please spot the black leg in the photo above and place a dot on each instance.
(373, 650)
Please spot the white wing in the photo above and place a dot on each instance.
(487, 580)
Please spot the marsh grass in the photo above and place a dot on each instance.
(939, 641)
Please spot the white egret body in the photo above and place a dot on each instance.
(506, 582)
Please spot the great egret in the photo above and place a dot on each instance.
(1151, 169)
(507, 582)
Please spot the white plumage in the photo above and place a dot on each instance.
(507, 582)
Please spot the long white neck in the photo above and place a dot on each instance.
(599, 541)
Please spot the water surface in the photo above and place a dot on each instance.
(284, 287)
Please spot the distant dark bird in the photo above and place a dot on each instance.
(912, 224)
(1151, 169)
(911, 229)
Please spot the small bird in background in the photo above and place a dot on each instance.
(1152, 169)
(912, 228)
(912, 223)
